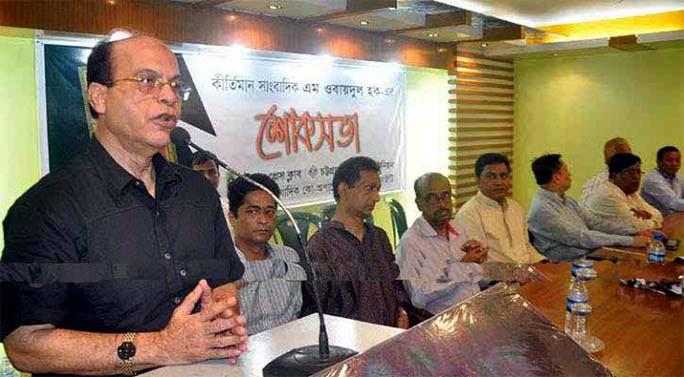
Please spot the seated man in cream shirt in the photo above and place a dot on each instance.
(490, 216)
(618, 200)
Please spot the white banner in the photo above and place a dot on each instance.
(298, 120)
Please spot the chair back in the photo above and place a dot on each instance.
(287, 231)
(399, 224)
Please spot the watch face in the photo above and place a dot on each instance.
(126, 350)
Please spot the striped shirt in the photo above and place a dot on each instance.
(270, 289)
(432, 270)
(664, 192)
(592, 184)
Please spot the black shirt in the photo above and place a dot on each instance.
(134, 257)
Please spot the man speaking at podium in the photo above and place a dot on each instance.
(146, 237)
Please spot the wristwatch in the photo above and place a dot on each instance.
(126, 353)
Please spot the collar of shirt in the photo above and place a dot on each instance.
(118, 179)
(268, 253)
(669, 178)
(552, 196)
(483, 199)
(428, 231)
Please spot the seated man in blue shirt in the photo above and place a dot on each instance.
(662, 187)
(564, 231)
(270, 290)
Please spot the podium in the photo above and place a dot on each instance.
(267, 345)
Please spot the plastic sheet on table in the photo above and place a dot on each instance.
(494, 333)
(512, 272)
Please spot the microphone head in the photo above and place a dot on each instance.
(180, 136)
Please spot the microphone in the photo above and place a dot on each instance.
(302, 361)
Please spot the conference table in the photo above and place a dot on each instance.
(267, 345)
(642, 330)
(673, 227)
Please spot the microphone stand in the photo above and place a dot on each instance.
(302, 361)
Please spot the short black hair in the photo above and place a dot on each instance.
(661, 152)
(99, 68)
(545, 167)
(240, 187)
(490, 159)
(620, 162)
(349, 172)
(200, 157)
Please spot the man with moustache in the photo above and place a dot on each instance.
(492, 217)
(618, 200)
(662, 188)
(353, 261)
(271, 288)
(149, 234)
(440, 266)
(564, 231)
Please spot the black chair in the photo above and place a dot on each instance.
(399, 224)
(286, 229)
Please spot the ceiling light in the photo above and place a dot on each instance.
(390, 40)
(111, 2)
(364, 22)
(231, 18)
(275, 7)
(433, 35)
(320, 30)
(483, 44)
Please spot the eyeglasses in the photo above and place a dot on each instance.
(436, 198)
(153, 85)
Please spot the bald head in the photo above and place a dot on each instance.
(615, 146)
(422, 184)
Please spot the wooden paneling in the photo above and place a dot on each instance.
(481, 125)
(178, 22)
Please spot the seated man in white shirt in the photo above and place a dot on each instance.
(439, 265)
(662, 188)
(270, 290)
(492, 217)
(611, 148)
(618, 200)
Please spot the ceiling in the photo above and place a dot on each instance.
(502, 24)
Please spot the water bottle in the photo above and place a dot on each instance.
(656, 249)
(580, 313)
(581, 263)
(577, 295)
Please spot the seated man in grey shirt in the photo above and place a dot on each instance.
(270, 290)
(562, 230)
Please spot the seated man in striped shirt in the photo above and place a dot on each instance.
(270, 289)
(440, 266)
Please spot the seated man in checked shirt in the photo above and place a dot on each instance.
(438, 263)
(270, 290)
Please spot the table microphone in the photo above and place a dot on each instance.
(302, 361)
